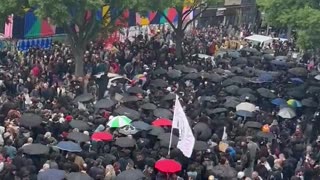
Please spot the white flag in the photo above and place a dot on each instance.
(186, 138)
(224, 135)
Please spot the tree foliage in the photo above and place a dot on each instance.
(302, 15)
(194, 6)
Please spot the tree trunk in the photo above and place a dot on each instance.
(179, 40)
(79, 69)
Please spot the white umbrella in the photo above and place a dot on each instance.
(317, 77)
(245, 106)
(287, 113)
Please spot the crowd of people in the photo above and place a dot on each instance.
(254, 114)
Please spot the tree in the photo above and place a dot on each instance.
(301, 15)
(194, 6)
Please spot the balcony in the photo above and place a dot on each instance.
(232, 2)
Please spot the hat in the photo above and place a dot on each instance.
(240, 175)
(69, 118)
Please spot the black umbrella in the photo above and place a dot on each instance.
(156, 131)
(35, 149)
(216, 111)
(297, 94)
(268, 57)
(84, 97)
(200, 146)
(213, 77)
(149, 106)
(232, 103)
(240, 60)
(104, 103)
(81, 125)
(30, 120)
(125, 142)
(233, 89)
(159, 71)
(170, 96)
(135, 90)
(179, 67)
(211, 99)
(236, 69)
(309, 102)
(129, 99)
(192, 76)
(189, 70)
(244, 113)
(242, 91)
(140, 125)
(159, 83)
(224, 172)
(78, 176)
(268, 136)
(162, 113)
(78, 136)
(132, 174)
(298, 71)
(248, 96)
(266, 93)
(130, 113)
(251, 50)
(313, 90)
(165, 140)
(174, 73)
(253, 124)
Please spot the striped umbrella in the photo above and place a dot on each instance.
(119, 121)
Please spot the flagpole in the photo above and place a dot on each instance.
(170, 141)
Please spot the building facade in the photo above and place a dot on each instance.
(230, 12)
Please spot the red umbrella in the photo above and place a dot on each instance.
(101, 136)
(162, 122)
(168, 166)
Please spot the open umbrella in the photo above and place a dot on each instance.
(101, 136)
(35, 149)
(140, 125)
(213, 77)
(119, 121)
(30, 120)
(128, 130)
(162, 122)
(149, 106)
(81, 125)
(156, 131)
(174, 73)
(162, 113)
(132, 174)
(211, 99)
(296, 80)
(135, 90)
(104, 104)
(233, 54)
(130, 113)
(309, 102)
(51, 174)
(253, 124)
(224, 172)
(233, 89)
(231, 103)
(242, 91)
(268, 57)
(189, 70)
(192, 76)
(265, 77)
(317, 77)
(294, 103)
(125, 142)
(216, 110)
(268, 135)
(200, 146)
(287, 113)
(250, 50)
(159, 83)
(129, 99)
(168, 166)
(168, 97)
(78, 176)
(159, 71)
(266, 93)
(279, 63)
(245, 106)
(84, 98)
(298, 71)
(248, 96)
(278, 101)
(69, 146)
(78, 136)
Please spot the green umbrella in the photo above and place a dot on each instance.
(119, 121)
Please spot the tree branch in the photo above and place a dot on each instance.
(171, 24)
(194, 18)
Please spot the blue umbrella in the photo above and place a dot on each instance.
(265, 77)
(296, 80)
(279, 101)
(69, 146)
